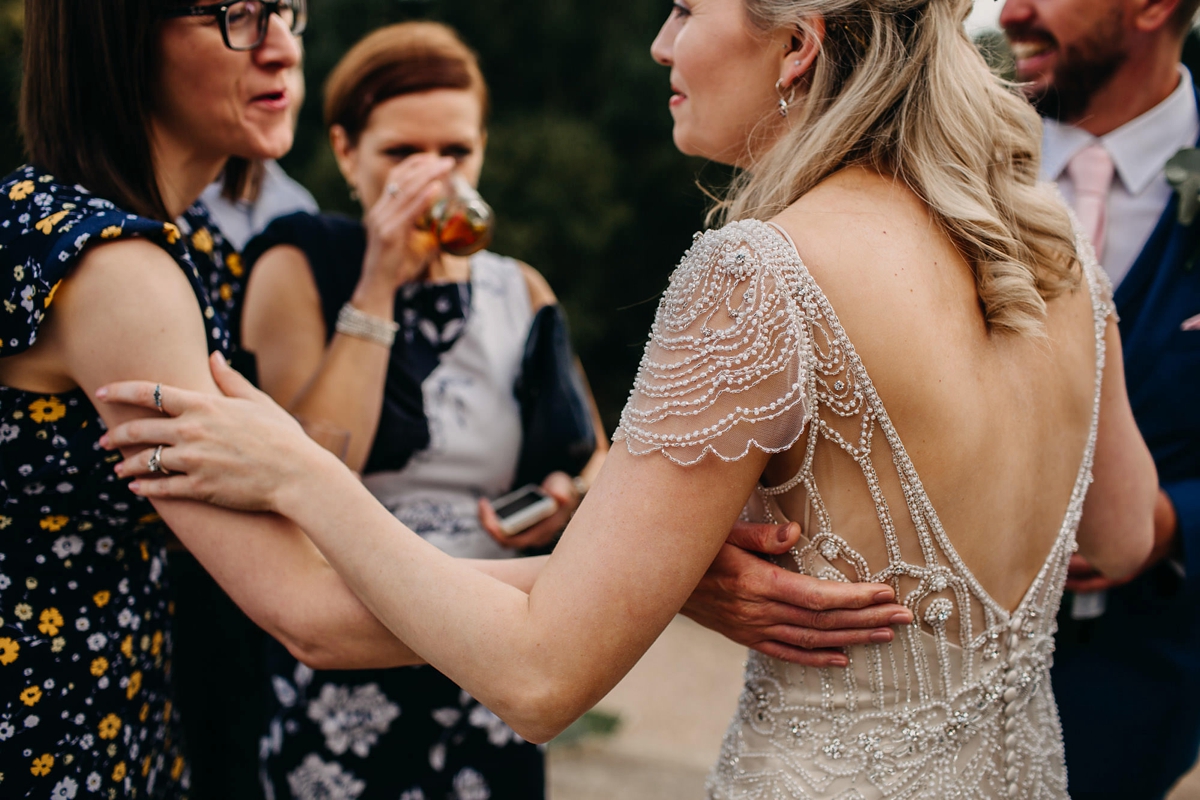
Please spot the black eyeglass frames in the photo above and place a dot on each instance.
(244, 22)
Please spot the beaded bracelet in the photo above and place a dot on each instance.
(361, 325)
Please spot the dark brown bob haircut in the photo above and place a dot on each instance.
(87, 92)
(400, 59)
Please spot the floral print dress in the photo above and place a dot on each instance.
(449, 433)
(85, 609)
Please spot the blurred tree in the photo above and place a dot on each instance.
(12, 14)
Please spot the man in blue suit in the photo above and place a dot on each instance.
(1117, 104)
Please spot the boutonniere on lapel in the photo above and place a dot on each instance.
(1183, 173)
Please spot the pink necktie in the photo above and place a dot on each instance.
(1091, 172)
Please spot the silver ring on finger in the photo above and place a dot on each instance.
(155, 463)
(392, 190)
(158, 398)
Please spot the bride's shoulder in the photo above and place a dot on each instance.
(733, 253)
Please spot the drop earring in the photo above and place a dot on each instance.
(784, 102)
(353, 193)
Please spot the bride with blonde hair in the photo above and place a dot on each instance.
(895, 339)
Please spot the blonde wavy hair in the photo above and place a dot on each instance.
(898, 87)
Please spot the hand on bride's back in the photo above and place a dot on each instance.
(237, 451)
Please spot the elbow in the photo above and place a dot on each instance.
(1129, 542)
(539, 712)
(1129, 559)
(312, 653)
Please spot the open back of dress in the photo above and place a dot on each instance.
(747, 351)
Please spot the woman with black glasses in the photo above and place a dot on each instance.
(107, 269)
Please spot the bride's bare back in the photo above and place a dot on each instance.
(995, 424)
(937, 455)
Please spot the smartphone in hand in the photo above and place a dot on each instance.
(523, 508)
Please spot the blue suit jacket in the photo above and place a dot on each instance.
(1128, 683)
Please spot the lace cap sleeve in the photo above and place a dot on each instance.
(725, 367)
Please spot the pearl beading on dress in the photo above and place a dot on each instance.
(747, 351)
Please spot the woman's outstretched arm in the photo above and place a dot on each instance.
(628, 561)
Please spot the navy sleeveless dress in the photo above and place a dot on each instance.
(85, 607)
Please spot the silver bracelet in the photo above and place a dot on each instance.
(361, 325)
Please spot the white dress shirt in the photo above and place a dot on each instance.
(1140, 150)
(240, 221)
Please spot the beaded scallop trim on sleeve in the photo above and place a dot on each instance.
(726, 364)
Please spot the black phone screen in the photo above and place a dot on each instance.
(519, 504)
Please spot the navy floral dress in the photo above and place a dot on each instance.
(85, 609)
(449, 433)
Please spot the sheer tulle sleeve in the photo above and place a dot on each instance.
(726, 364)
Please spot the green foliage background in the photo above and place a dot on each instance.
(581, 169)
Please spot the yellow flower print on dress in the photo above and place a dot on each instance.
(202, 240)
(111, 232)
(226, 292)
(118, 773)
(156, 643)
(171, 232)
(9, 650)
(21, 190)
(54, 523)
(31, 695)
(42, 765)
(24, 612)
(99, 666)
(127, 646)
(234, 262)
(135, 685)
(47, 409)
(101, 598)
(110, 726)
(53, 291)
(50, 621)
(5, 522)
(46, 224)
(177, 768)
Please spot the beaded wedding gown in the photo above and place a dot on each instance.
(747, 351)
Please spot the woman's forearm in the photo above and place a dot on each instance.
(334, 386)
(274, 574)
(538, 660)
(346, 394)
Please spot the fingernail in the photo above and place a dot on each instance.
(134, 486)
(881, 637)
(119, 469)
(884, 596)
(781, 534)
(900, 618)
(104, 441)
(102, 393)
(840, 662)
